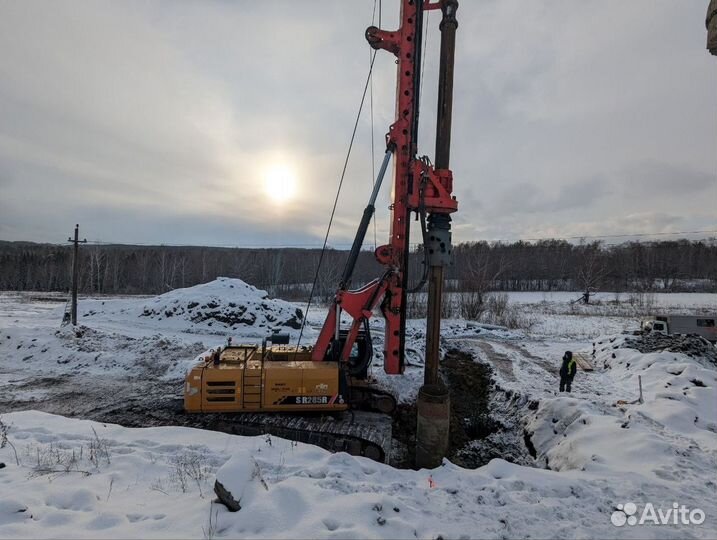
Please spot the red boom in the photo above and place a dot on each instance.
(416, 186)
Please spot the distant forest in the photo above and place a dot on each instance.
(552, 265)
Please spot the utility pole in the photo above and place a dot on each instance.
(75, 271)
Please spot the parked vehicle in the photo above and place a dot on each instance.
(702, 325)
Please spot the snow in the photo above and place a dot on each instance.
(672, 301)
(292, 490)
(162, 336)
(240, 476)
(594, 449)
(218, 307)
(681, 390)
(665, 445)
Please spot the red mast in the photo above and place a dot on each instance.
(417, 187)
(405, 44)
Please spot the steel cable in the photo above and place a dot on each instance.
(336, 199)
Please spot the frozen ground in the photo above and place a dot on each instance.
(593, 450)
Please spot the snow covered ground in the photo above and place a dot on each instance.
(672, 301)
(661, 451)
(594, 450)
(137, 342)
(157, 482)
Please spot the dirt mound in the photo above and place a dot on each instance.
(691, 345)
(225, 303)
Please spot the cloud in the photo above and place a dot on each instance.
(155, 122)
(660, 179)
(529, 198)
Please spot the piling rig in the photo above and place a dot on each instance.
(332, 375)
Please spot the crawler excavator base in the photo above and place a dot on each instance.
(244, 387)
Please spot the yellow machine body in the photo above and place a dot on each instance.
(248, 379)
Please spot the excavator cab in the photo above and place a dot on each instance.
(360, 356)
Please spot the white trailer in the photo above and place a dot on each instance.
(702, 325)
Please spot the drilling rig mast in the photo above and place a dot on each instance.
(241, 378)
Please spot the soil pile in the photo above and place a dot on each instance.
(691, 345)
(225, 303)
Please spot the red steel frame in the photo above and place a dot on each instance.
(416, 185)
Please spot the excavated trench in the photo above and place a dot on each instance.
(485, 423)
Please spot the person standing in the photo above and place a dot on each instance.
(567, 371)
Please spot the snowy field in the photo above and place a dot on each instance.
(673, 301)
(594, 451)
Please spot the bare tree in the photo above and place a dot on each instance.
(481, 270)
(590, 269)
(327, 276)
(479, 267)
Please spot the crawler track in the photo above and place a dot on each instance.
(355, 432)
(138, 402)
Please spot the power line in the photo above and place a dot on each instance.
(621, 235)
(218, 246)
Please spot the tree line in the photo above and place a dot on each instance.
(549, 265)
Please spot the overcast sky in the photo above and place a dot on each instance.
(159, 121)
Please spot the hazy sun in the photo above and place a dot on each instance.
(280, 183)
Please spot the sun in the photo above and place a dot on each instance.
(280, 183)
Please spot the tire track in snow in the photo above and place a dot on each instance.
(500, 362)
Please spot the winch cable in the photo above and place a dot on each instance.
(367, 329)
(373, 147)
(423, 60)
(336, 199)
